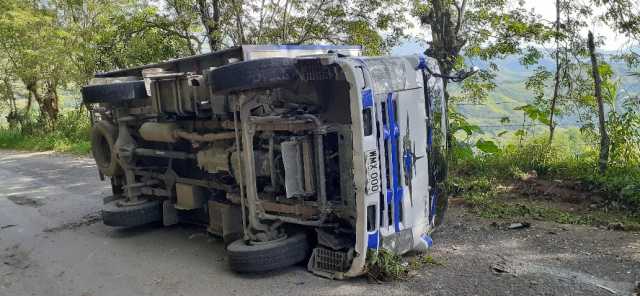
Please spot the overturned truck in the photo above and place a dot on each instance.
(289, 153)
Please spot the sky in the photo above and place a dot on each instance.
(544, 8)
(547, 9)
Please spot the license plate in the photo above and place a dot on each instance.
(372, 164)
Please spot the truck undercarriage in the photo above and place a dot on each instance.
(269, 153)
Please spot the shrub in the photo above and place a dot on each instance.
(560, 160)
(70, 134)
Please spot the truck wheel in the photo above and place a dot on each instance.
(252, 74)
(103, 138)
(246, 258)
(134, 215)
(114, 92)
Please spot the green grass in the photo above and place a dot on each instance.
(383, 265)
(476, 177)
(487, 199)
(496, 209)
(43, 142)
(621, 182)
(70, 135)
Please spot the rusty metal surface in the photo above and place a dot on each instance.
(305, 212)
(189, 197)
(281, 124)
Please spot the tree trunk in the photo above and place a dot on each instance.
(449, 135)
(27, 109)
(237, 11)
(183, 26)
(50, 102)
(33, 94)
(13, 116)
(47, 102)
(597, 83)
(211, 22)
(556, 84)
(446, 42)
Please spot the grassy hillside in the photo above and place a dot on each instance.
(511, 93)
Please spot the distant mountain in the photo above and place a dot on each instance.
(511, 92)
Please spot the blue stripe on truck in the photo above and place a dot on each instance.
(393, 136)
(367, 98)
(374, 239)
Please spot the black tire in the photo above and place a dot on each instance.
(114, 92)
(129, 216)
(254, 74)
(246, 258)
(103, 139)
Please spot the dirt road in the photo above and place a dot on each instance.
(52, 243)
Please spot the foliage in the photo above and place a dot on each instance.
(377, 25)
(71, 135)
(559, 160)
(488, 183)
(116, 34)
(623, 128)
(487, 146)
(384, 266)
(49, 46)
(468, 31)
(535, 114)
(32, 48)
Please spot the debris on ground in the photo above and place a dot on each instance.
(7, 226)
(84, 221)
(22, 200)
(616, 226)
(520, 225)
(511, 226)
(531, 175)
(15, 257)
(606, 289)
(500, 267)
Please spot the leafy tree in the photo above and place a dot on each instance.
(467, 30)
(120, 34)
(576, 81)
(35, 46)
(569, 55)
(377, 25)
(48, 45)
(623, 129)
(181, 20)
